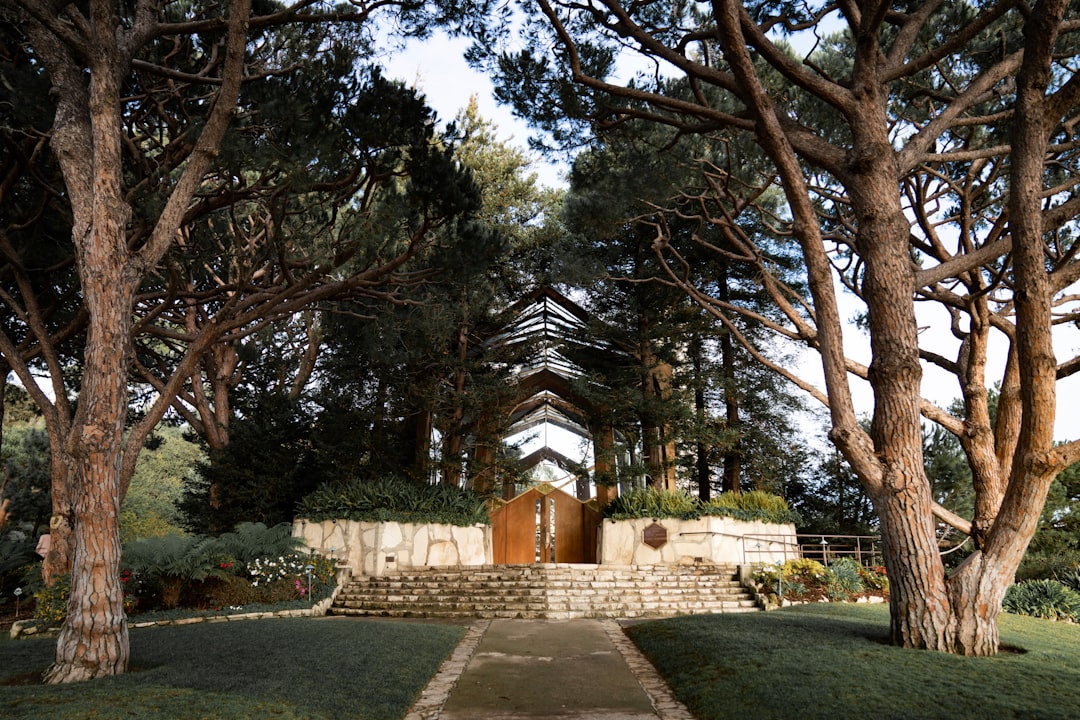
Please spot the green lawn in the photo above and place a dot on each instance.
(813, 662)
(831, 662)
(277, 668)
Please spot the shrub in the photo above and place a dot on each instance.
(228, 591)
(172, 561)
(807, 579)
(1047, 599)
(844, 579)
(653, 503)
(255, 540)
(268, 580)
(754, 505)
(795, 588)
(804, 567)
(799, 575)
(766, 578)
(50, 603)
(1040, 566)
(874, 578)
(394, 499)
(14, 554)
(1070, 578)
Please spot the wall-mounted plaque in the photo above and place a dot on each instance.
(655, 536)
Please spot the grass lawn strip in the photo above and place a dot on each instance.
(832, 662)
(279, 668)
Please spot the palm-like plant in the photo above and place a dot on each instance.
(171, 561)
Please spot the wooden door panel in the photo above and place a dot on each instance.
(514, 529)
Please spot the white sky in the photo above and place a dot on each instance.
(437, 68)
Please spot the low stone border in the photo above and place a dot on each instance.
(437, 692)
(28, 628)
(663, 700)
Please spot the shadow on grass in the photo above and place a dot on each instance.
(279, 668)
(833, 662)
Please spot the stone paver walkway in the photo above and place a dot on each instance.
(546, 669)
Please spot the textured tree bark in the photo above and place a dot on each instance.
(86, 60)
(918, 600)
(920, 609)
(93, 639)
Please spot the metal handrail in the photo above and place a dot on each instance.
(764, 549)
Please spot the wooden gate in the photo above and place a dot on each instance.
(543, 525)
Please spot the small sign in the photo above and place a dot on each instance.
(655, 536)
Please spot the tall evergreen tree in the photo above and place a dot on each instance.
(733, 422)
(143, 97)
(922, 153)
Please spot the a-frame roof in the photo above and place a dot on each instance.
(544, 322)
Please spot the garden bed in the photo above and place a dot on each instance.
(802, 581)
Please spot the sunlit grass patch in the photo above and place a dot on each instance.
(832, 661)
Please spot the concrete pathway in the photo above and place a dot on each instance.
(546, 669)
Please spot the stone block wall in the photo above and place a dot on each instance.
(375, 548)
(709, 539)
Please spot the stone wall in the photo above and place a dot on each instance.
(708, 539)
(375, 548)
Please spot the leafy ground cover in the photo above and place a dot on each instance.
(277, 668)
(832, 662)
(806, 580)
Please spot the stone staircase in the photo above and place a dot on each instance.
(548, 592)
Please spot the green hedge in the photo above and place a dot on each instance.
(394, 499)
(754, 505)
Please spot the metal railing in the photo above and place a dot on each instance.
(765, 549)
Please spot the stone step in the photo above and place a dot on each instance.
(500, 587)
(540, 589)
(458, 603)
(548, 614)
(547, 591)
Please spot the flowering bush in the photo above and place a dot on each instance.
(809, 581)
(874, 578)
(264, 571)
(129, 583)
(252, 565)
(51, 602)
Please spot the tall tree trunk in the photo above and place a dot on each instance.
(979, 584)
(454, 445)
(662, 378)
(650, 432)
(418, 424)
(701, 448)
(733, 451)
(918, 599)
(93, 640)
(58, 557)
(5, 503)
(86, 63)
